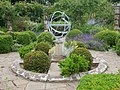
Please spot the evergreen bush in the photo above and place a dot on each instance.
(42, 46)
(6, 43)
(107, 36)
(37, 61)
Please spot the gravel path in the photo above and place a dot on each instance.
(10, 81)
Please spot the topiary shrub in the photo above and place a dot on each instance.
(37, 61)
(23, 38)
(6, 42)
(45, 37)
(118, 47)
(42, 46)
(117, 38)
(73, 65)
(32, 35)
(107, 36)
(26, 49)
(73, 33)
(80, 44)
(83, 52)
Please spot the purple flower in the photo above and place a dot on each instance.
(89, 41)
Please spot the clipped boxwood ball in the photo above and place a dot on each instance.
(107, 36)
(84, 52)
(80, 44)
(32, 35)
(23, 38)
(36, 61)
(45, 37)
(42, 46)
(6, 43)
(73, 33)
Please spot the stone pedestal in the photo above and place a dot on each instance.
(58, 49)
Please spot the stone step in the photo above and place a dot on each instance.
(54, 71)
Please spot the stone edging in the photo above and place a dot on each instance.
(45, 77)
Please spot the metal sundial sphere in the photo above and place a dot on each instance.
(59, 24)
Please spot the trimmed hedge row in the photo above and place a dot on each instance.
(100, 82)
(24, 38)
(6, 43)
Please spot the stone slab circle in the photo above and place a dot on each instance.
(15, 67)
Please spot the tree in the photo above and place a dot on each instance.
(7, 13)
(80, 11)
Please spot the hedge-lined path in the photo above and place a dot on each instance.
(9, 80)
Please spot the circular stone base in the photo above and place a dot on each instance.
(102, 66)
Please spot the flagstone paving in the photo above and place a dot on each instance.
(10, 81)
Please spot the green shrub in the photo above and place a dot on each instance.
(45, 37)
(80, 44)
(117, 38)
(73, 33)
(36, 61)
(96, 29)
(23, 38)
(39, 27)
(4, 29)
(83, 52)
(107, 36)
(69, 44)
(100, 82)
(2, 33)
(118, 47)
(42, 46)
(32, 35)
(6, 42)
(16, 47)
(73, 65)
(13, 34)
(26, 49)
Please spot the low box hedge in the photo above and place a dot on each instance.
(100, 82)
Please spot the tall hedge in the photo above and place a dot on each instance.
(6, 42)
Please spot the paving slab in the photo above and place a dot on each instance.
(35, 86)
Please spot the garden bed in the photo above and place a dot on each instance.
(102, 66)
